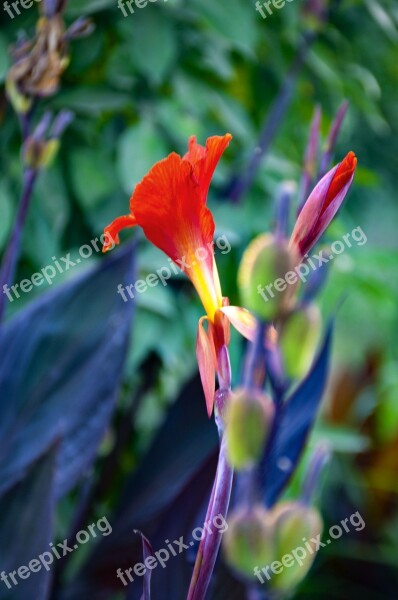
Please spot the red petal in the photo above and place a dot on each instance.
(322, 205)
(205, 159)
(342, 176)
(168, 206)
(195, 151)
(207, 365)
(112, 231)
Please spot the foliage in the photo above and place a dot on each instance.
(103, 412)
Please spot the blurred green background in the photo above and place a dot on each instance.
(139, 86)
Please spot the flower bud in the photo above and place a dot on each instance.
(294, 526)
(299, 339)
(248, 540)
(261, 277)
(39, 154)
(248, 418)
(20, 103)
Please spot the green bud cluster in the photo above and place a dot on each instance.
(257, 538)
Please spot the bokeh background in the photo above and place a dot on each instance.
(139, 86)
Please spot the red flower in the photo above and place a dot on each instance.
(170, 206)
(322, 205)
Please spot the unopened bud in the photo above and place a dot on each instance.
(248, 540)
(20, 103)
(297, 529)
(262, 279)
(314, 13)
(299, 339)
(248, 419)
(39, 154)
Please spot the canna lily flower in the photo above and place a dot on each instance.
(169, 204)
(322, 205)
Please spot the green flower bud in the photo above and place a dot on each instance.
(261, 277)
(248, 418)
(248, 540)
(299, 339)
(294, 524)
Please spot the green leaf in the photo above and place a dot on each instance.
(76, 9)
(92, 176)
(139, 148)
(383, 19)
(152, 43)
(235, 21)
(341, 439)
(92, 101)
(4, 60)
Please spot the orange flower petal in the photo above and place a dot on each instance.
(112, 231)
(342, 176)
(168, 206)
(205, 159)
(205, 355)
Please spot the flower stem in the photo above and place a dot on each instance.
(11, 255)
(273, 120)
(221, 492)
(254, 593)
(210, 544)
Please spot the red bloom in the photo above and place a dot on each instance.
(322, 205)
(170, 206)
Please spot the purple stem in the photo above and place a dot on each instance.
(319, 460)
(221, 492)
(254, 375)
(254, 379)
(276, 375)
(210, 545)
(332, 139)
(254, 593)
(283, 203)
(11, 255)
(310, 162)
(273, 120)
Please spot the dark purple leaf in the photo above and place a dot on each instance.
(62, 360)
(147, 552)
(295, 422)
(165, 498)
(26, 520)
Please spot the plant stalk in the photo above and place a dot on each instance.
(11, 255)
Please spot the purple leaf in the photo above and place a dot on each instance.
(62, 360)
(296, 419)
(26, 523)
(147, 552)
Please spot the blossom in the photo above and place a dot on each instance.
(322, 205)
(169, 204)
